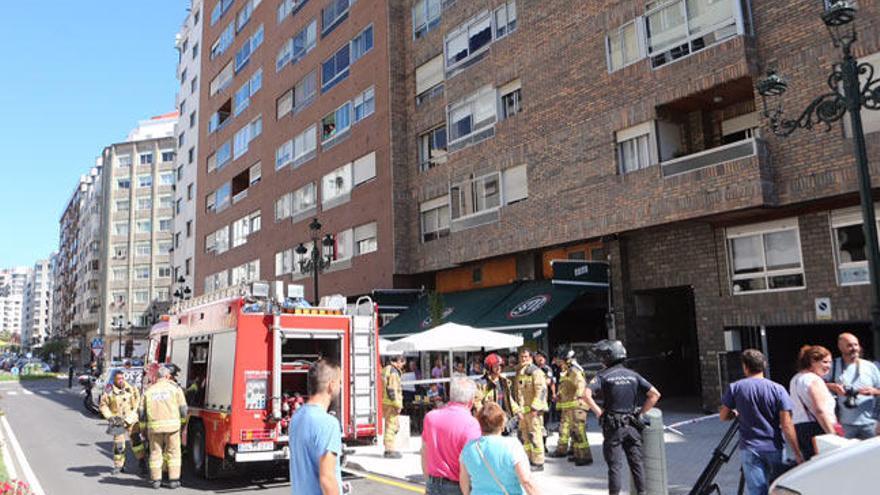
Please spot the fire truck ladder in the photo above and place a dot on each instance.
(363, 366)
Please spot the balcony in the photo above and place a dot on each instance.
(746, 148)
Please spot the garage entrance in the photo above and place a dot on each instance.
(661, 338)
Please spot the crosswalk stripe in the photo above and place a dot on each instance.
(45, 392)
(60, 392)
(12, 392)
(27, 392)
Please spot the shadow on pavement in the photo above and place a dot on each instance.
(91, 471)
(72, 401)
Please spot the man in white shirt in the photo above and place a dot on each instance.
(856, 382)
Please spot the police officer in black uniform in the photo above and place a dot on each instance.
(621, 389)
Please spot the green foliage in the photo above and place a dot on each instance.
(436, 307)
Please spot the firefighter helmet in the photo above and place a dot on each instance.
(493, 360)
(610, 351)
(565, 354)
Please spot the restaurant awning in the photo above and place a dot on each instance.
(531, 306)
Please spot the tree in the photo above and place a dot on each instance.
(56, 348)
(436, 308)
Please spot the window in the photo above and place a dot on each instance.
(224, 154)
(188, 267)
(165, 247)
(142, 272)
(679, 28)
(435, 218)
(362, 43)
(222, 80)
(283, 206)
(190, 191)
(243, 227)
(219, 9)
(469, 119)
(305, 199)
(141, 296)
(505, 19)
(123, 183)
(288, 8)
(168, 156)
(850, 248)
(255, 173)
(468, 40)
(218, 242)
(243, 55)
(284, 155)
(164, 225)
(511, 99)
(189, 229)
(120, 252)
(245, 13)
(144, 249)
(624, 46)
(245, 135)
(120, 228)
(298, 150)
(144, 226)
(180, 139)
(166, 179)
(425, 16)
(299, 97)
(123, 161)
(429, 79)
(365, 239)
(364, 104)
(145, 181)
(216, 281)
(123, 205)
(166, 201)
(120, 274)
(296, 48)
(432, 148)
(765, 257)
(333, 15)
(223, 197)
(191, 155)
(164, 271)
(364, 169)
(515, 184)
(475, 196)
(221, 117)
(163, 294)
(283, 262)
(119, 298)
(284, 104)
(335, 69)
(146, 158)
(195, 51)
(194, 84)
(336, 123)
(634, 148)
(246, 273)
(224, 41)
(145, 203)
(336, 186)
(242, 98)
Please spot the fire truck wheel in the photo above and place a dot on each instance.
(202, 464)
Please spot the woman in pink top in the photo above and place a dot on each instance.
(813, 412)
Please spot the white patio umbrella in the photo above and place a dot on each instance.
(383, 348)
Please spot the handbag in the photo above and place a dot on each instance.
(489, 468)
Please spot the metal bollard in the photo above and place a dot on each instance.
(654, 447)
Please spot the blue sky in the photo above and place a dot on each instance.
(77, 75)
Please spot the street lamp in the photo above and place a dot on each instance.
(847, 95)
(183, 292)
(119, 327)
(320, 258)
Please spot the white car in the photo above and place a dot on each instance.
(852, 469)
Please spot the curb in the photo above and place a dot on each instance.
(20, 459)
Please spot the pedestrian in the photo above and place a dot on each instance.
(494, 464)
(530, 392)
(392, 404)
(408, 388)
(120, 406)
(444, 435)
(495, 387)
(763, 409)
(856, 382)
(163, 412)
(511, 363)
(459, 369)
(621, 420)
(813, 412)
(541, 362)
(573, 407)
(316, 435)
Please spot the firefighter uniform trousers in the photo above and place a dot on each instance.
(530, 386)
(123, 402)
(137, 445)
(392, 404)
(165, 449)
(163, 409)
(573, 425)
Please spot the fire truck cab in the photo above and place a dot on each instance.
(244, 360)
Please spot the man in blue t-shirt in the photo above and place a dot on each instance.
(316, 436)
(764, 411)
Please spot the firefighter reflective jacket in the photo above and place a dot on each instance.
(392, 394)
(497, 391)
(163, 407)
(121, 401)
(530, 389)
(572, 385)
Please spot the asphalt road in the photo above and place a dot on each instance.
(69, 451)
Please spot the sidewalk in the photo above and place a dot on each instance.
(686, 458)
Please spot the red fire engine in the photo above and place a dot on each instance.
(244, 360)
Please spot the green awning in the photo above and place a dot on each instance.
(532, 306)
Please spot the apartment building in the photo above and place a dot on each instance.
(64, 283)
(294, 126)
(36, 320)
(86, 267)
(188, 45)
(13, 282)
(135, 235)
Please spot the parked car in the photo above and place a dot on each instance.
(850, 469)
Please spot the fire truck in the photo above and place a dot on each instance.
(244, 359)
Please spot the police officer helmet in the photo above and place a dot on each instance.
(610, 351)
(493, 360)
(565, 354)
(172, 368)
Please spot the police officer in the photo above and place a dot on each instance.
(495, 387)
(163, 412)
(120, 407)
(530, 392)
(392, 403)
(621, 422)
(573, 408)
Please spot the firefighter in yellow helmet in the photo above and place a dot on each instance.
(163, 412)
(572, 406)
(120, 407)
(530, 392)
(392, 403)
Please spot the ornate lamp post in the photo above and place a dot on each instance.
(848, 94)
(183, 291)
(321, 254)
(120, 327)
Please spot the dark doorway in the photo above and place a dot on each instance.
(784, 344)
(661, 339)
(583, 321)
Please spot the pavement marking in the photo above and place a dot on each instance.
(28, 473)
(386, 481)
(11, 473)
(61, 392)
(45, 392)
(12, 392)
(27, 392)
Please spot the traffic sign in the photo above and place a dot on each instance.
(97, 343)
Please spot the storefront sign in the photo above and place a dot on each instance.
(446, 312)
(580, 272)
(529, 306)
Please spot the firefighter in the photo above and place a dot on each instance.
(621, 419)
(392, 403)
(120, 407)
(573, 409)
(495, 387)
(530, 392)
(163, 412)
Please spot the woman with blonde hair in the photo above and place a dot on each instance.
(813, 412)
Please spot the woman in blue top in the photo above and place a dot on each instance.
(493, 464)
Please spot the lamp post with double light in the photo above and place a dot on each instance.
(321, 254)
(852, 86)
(119, 325)
(183, 291)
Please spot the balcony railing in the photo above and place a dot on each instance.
(711, 157)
